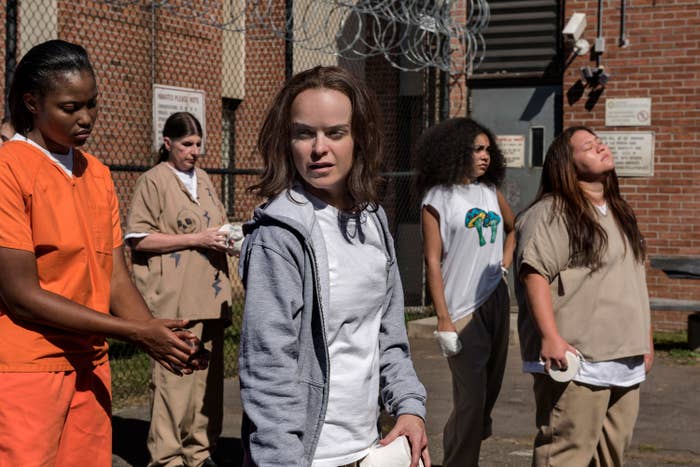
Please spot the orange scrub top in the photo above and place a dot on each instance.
(71, 224)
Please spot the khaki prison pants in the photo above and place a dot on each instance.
(579, 425)
(187, 411)
(477, 374)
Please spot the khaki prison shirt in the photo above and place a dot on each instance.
(185, 284)
(603, 313)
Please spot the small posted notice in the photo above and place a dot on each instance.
(170, 99)
(628, 112)
(633, 152)
(513, 148)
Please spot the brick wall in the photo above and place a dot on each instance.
(264, 75)
(384, 82)
(128, 57)
(661, 62)
(458, 82)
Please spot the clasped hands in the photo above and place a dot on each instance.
(197, 360)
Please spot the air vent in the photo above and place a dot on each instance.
(522, 38)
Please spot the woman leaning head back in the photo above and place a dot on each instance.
(575, 159)
(275, 138)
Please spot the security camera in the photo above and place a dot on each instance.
(582, 47)
(594, 76)
(588, 74)
(575, 27)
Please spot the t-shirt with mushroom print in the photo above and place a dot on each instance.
(471, 230)
(479, 219)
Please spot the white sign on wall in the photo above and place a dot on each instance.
(170, 99)
(628, 112)
(633, 151)
(513, 149)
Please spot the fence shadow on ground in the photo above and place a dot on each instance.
(129, 442)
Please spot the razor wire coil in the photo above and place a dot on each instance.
(410, 34)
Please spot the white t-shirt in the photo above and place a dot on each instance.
(357, 265)
(471, 229)
(189, 179)
(622, 372)
(64, 161)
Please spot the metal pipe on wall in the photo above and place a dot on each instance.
(624, 42)
(444, 93)
(289, 43)
(10, 48)
(598, 55)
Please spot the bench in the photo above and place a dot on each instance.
(680, 267)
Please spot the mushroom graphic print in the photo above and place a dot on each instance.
(478, 218)
(475, 220)
(492, 220)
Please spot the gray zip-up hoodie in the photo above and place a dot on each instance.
(283, 360)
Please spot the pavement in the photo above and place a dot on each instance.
(667, 432)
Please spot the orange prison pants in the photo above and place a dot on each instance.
(56, 419)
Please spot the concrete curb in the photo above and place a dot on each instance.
(423, 328)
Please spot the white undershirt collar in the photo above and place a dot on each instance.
(64, 161)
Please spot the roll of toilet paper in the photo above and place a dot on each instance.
(573, 363)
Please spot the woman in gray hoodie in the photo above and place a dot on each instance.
(323, 336)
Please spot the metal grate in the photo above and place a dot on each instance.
(522, 38)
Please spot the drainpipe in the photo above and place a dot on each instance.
(624, 42)
(598, 55)
(289, 39)
(10, 49)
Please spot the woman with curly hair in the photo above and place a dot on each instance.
(582, 291)
(468, 243)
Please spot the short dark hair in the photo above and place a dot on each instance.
(36, 74)
(178, 125)
(445, 154)
(274, 139)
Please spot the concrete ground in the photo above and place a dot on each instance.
(667, 432)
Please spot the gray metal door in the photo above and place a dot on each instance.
(533, 112)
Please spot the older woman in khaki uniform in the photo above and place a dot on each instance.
(181, 269)
(582, 290)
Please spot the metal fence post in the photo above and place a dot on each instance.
(10, 48)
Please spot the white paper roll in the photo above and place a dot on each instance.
(573, 363)
(395, 454)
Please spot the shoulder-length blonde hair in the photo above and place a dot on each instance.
(274, 139)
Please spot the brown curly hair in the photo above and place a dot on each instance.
(445, 155)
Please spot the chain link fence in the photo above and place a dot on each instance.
(224, 59)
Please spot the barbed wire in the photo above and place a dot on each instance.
(410, 34)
